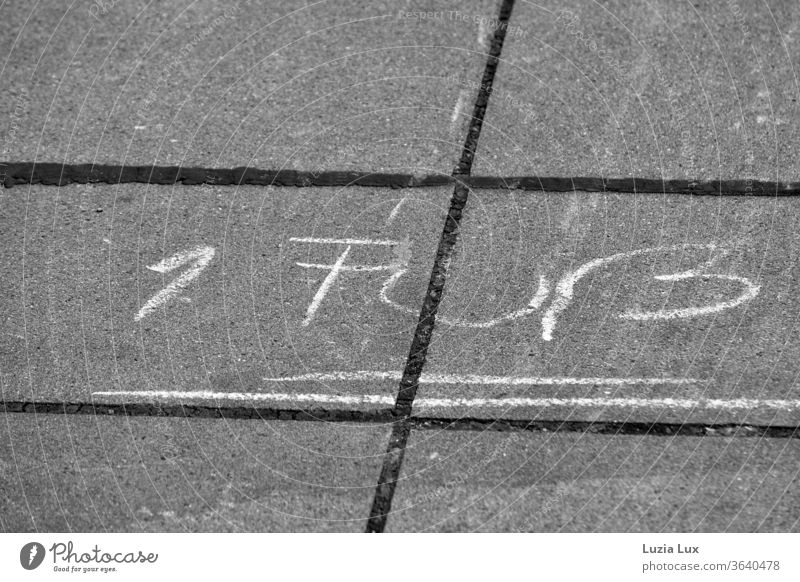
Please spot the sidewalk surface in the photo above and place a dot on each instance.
(208, 353)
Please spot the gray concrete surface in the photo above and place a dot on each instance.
(493, 481)
(74, 277)
(81, 473)
(704, 90)
(508, 241)
(311, 87)
(696, 90)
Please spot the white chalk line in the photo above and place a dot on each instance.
(199, 257)
(542, 291)
(395, 211)
(347, 268)
(750, 293)
(345, 241)
(252, 396)
(564, 290)
(326, 285)
(483, 34)
(428, 378)
(423, 403)
(461, 102)
(340, 267)
(344, 376)
(566, 286)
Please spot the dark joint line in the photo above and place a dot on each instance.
(199, 411)
(54, 174)
(401, 430)
(637, 186)
(386, 415)
(613, 428)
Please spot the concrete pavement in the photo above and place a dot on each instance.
(84, 473)
(89, 311)
(582, 306)
(491, 481)
(646, 308)
(703, 90)
(299, 86)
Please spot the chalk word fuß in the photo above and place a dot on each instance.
(564, 289)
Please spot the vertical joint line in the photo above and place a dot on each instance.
(485, 91)
(401, 430)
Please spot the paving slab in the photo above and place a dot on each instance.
(124, 474)
(511, 482)
(216, 293)
(693, 90)
(618, 307)
(304, 86)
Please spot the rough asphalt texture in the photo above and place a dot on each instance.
(75, 276)
(79, 473)
(465, 481)
(698, 90)
(695, 91)
(508, 242)
(205, 84)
